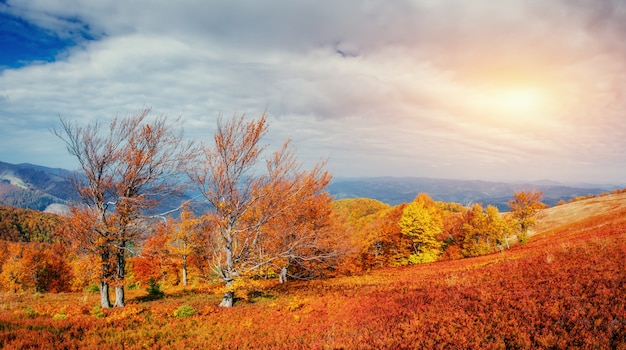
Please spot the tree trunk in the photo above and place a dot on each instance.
(228, 299)
(121, 266)
(282, 277)
(119, 296)
(37, 289)
(229, 296)
(105, 273)
(227, 273)
(184, 270)
(105, 302)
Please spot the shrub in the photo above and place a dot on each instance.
(96, 311)
(154, 289)
(184, 311)
(425, 257)
(92, 288)
(522, 237)
(59, 316)
(30, 312)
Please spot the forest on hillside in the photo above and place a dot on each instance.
(35, 255)
(275, 221)
(563, 289)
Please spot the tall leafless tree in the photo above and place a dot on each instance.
(245, 196)
(127, 170)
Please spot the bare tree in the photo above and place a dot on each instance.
(126, 171)
(245, 196)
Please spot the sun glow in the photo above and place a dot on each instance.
(519, 103)
(520, 100)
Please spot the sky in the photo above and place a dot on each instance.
(515, 90)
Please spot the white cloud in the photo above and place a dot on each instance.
(379, 87)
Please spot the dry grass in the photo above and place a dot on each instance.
(553, 218)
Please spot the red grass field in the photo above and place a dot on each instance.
(564, 289)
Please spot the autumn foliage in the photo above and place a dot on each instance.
(422, 231)
(25, 225)
(173, 253)
(563, 289)
(34, 267)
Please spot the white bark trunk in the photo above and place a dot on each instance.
(121, 268)
(184, 270)
(105, 273)
(119, 296)
(105, 302)
(228, 299)
(229, 296)
(282, 277)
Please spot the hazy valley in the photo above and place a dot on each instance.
(36, 187)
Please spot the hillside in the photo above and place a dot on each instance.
(26, 225)
(571, 213)
(563, 289)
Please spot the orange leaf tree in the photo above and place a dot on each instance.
(36, 267)
(303, 242)
(524, 209)
(375, 234)
(455, 216)
(245, 196)
(125, 172)
(155, 261)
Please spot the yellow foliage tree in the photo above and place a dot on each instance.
(486, 231)
(422, 221)
(183, 240)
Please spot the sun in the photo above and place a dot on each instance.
(510, 102)
(520, 102)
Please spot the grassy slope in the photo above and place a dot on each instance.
(563, 289)
(567, 214)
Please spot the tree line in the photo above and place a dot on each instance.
(265, 216)
(26, 225)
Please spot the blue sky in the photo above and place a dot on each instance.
(23, 43)
(508, 90)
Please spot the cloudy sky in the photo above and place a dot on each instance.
(492, 90)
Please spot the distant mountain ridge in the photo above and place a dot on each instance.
(34, 187)
(40, 188)
(396, 190)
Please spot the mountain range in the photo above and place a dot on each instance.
(48, 189)
(396, 190)
(35, 187)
